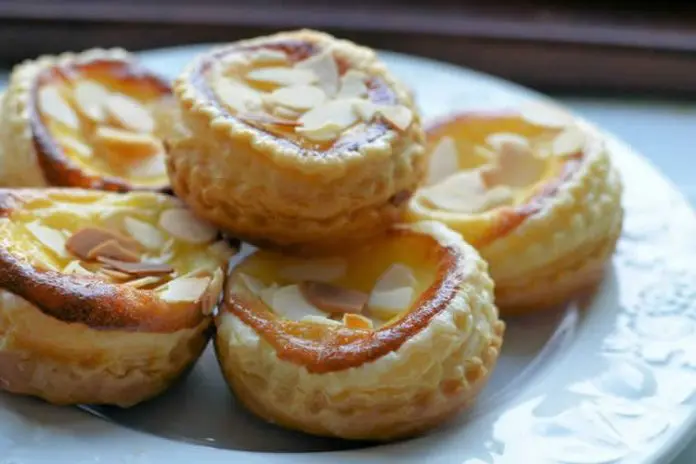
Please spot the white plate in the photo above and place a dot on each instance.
(607, 380)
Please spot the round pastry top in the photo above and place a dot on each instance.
(498, 168)
(337, 312)
(308, 90)
(109, 260)
(94, 124)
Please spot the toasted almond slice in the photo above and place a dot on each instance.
(85, 240)
(75, 267)
(332, 298)
(545, 114)
(151, 166)
(267, 55)
(353, 85)
(53, 105)
(213, 293)
(183, 225)
(330, 131)
(51, 238)
(115, 275)
(189, 289)
(324, 320)
(365, 109)
(298, 97)
(289, 302)
(253, 284)
(356, 321)
(238, 96)
(128, 113)
(147, 235)
(282, 76)
(517, 167)
(465, 192)
(142, 282)
(396, 275)
(388, 303)
(397, 116)
(138, 269)
(500, 141)
(75, 146)
(285, 113)
(324, 66)
(267, 119)
(337, 112)
(569, 142)
(318, 270)
(444, 160)
(114, 250)
(90, 98)
(127, 144)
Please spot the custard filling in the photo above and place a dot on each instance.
(101, 116)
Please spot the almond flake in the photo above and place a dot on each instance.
(147, 235)
(330, 131)
(509, 141)
(282, 76)
(53, 105)
(396, 275)
(569, 142)
(545, 114)
(399, 117)
(517, 167)
(82, 242)
(365, 109)
(51, 238)
(298, 97)
(112, 249)
(138, 269)
(237, 96)
(319, 270)
(324, 320)
(253, 284)
(127, 144)
(267, 55)
(337, 112)
(353, 85)
(356, 321)
(324, 66)
(151, 166)
(115, 275)
(268, 120)
(129, 113)
(386, 304)
(289, 302)
(213, 293)
(465, 192)
(183, 225)
(444, 160)
(90, 98)
(75, 267)
(74, 146)
(285, 113)
(333, 299)
(189, 289)
(144, 281)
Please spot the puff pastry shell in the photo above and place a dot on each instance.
(84, 120)
(72, 331)
(551, 240)
(267, 187)
(397, 380)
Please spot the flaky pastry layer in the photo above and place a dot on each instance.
(433, 374)
(267, 190)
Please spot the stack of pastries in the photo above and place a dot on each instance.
(362, 304)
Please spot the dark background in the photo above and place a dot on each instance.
(554, 46)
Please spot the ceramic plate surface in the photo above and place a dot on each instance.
(610, 379)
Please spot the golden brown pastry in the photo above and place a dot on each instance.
(104, 297)
(541, 203)
(383, 341)
(84, 120)
(295, 139)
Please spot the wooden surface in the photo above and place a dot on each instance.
(571, 47)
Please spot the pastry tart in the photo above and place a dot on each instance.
(105, 298)
(540, 201)
(86, 120)
(295, 139)
(384, 341)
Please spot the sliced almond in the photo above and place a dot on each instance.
(318, 270)
(332, 298)
(465, 192)
(183, 225)
(151, 166)
(253, 284)
(396, 275)
(267, 120)
(324, 320)
(282, 75)
(267, 55)
(569, 142)
(115, 275)
(143, 282)
(356, 321)
(517, 167)
(397, 116)
(238, 96)
(386, 304)
(82, 242)
(500, 141)
(289, 302)
(127, 144)
(324, 66)
(147, 235)
(444, 160)
(325, 133)
(90, 98)
(138, 269)
(353, 85)
(185, 289)
(285, 113)
(53, 105)
(75, 146)
(545, 114)
(365, 109)
(298, 97)
(213, 293)
(335, 112)
(114, 250)
(51, 238)
(128, 113)
(75, 267)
